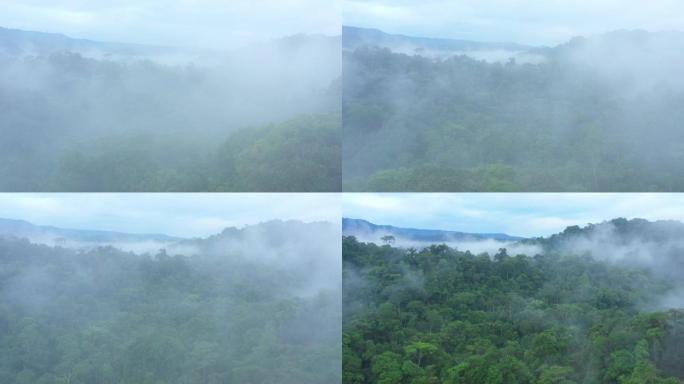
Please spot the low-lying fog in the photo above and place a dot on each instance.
(265, 295)
(308, 249)
(168, 111)
(656, 246)
(475, 246)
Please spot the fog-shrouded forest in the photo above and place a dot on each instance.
(595, 304)
(80, 115)
(597, 113)
(259, 304)
(368, 232)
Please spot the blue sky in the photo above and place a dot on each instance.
(516, 214)
(186, 215)
(206, 23)
(538, 22)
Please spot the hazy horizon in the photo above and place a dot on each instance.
(510, 41)
(178, 46)
(178, 215)
(203, 24)
(515, 214)
(532, 22)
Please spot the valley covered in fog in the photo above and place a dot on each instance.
(602, 303)
(476, 243)
(255, 304)
(83, 115)
(600, 112)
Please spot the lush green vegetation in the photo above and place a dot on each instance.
(413, 123)
(250, 160)
(439, 315)
(224, 315)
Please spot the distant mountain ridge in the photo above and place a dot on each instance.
(274, 233)
(619, 51)
(618, 231)
(18, 42)
(359, 227)
(22, 43)
(25, 229)
(355, 37)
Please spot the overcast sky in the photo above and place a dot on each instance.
(538, 22)
(204, 23)
(184, 215)
(521, 214)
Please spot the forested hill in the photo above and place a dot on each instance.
(366, 230)
(580, 119)
(273, 231)
(621, 231)
(654, 245)
(657, 246)
(261, 308)
(287, 236)
(439, 315)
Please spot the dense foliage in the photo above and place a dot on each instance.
(109, 317)
(250, 160)
(439, 315)
(413, 123)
